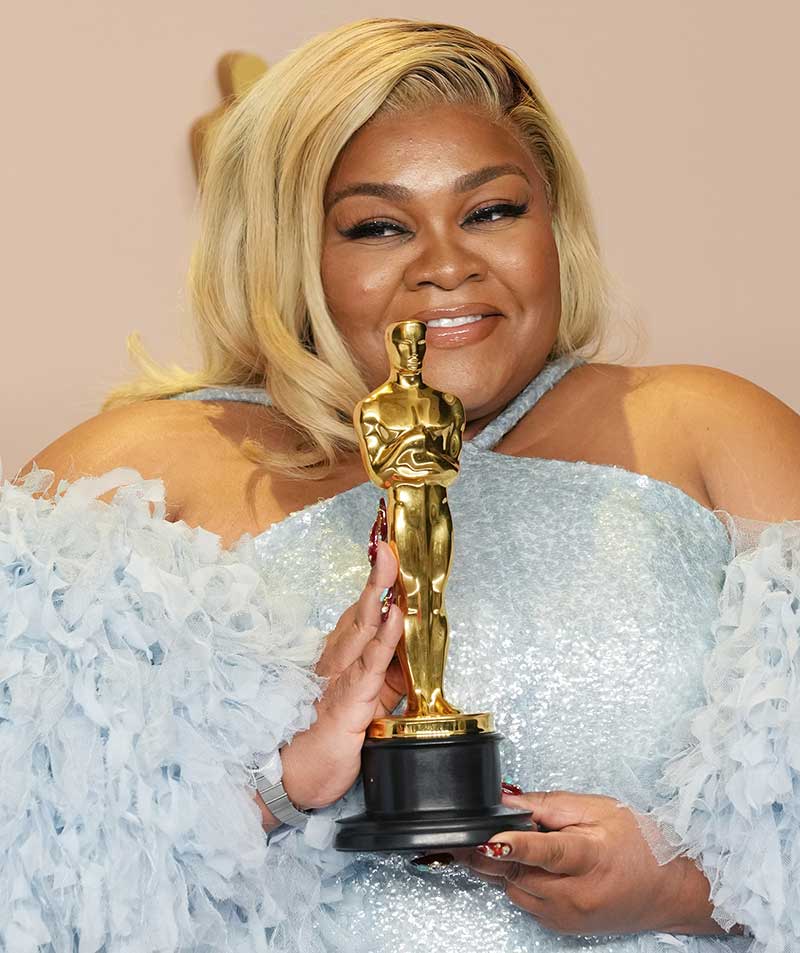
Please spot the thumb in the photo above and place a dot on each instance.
(552, 810)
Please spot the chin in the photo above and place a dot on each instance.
(477, 386)
(486, 374)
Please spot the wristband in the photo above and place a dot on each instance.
(266, 779)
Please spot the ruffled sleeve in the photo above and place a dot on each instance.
(141, 665)
(731, 794)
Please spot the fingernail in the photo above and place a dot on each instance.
(494, 848)
(432, 861)
(379, 531)
(508, 788)
(387, 601)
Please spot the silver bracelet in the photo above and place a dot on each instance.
(276, 799)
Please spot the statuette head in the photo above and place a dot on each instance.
(405, 343)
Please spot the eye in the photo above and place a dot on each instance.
(370, 230)
(504, 210)
(377, 228)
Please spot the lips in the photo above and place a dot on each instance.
(457, 311)
(465, 334)
(460, 336)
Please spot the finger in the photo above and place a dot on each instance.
(560, 853)
(395, 678)
(379, 651)
(533, 880)
(362, 681)
(489, 879)
(536, 878)
(394, 685)
(554, 810)
(367, 616)
(513, 801)
(385, 567)
(465, 856)
(343, 645)
(537, 907)
(388, 634)
(358, 623)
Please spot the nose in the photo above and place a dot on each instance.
(446, 262)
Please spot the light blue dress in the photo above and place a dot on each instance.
(580, 601)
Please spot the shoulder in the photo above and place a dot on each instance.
(746, 441)
(178, 441)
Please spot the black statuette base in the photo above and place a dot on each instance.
(424, 794)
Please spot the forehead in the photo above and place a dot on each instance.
(428, 147)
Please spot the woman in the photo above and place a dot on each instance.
(390, 170)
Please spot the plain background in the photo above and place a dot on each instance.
(683, 114)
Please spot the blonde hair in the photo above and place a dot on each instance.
(254, 279)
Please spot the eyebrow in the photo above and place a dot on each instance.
(399, 193)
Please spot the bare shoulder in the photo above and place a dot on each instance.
(746, 440)
(179, 442)
(616, 415)
(723, 440)
(198, 449)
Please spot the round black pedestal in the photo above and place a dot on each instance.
(423, 794)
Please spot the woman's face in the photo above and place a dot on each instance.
(443, 209)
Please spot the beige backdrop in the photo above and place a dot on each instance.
(684, 114)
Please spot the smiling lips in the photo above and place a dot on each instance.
(453, 327)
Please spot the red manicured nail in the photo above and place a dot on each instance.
(379, 531)
(494, 848)
(508, 788)
(386, 605)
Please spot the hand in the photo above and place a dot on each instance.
(394, 687)
(589, 870)
(321, 763)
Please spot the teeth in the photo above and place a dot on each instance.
(454, 322)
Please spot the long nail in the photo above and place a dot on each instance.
(508, 788)
(494, 849)
(379, 531)
(387, 602)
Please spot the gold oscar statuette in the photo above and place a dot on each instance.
(431, 775)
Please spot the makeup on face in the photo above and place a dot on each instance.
(442, 216)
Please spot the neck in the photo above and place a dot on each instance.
(475, 426)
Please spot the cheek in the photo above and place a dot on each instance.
(356, 289)
(531, 270)
(358, 295)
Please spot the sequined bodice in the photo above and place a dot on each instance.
(580, 601)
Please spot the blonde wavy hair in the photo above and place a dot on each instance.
(254, 278)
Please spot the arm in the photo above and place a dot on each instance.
(151, 437)
(141, 666)
(747, 443)
(728, 799)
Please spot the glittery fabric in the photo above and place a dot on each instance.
(580, 602)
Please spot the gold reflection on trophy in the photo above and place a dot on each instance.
(410, 437)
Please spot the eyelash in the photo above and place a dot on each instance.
(372, 229)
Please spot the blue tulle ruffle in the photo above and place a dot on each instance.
(141, 665)
(732, 794)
